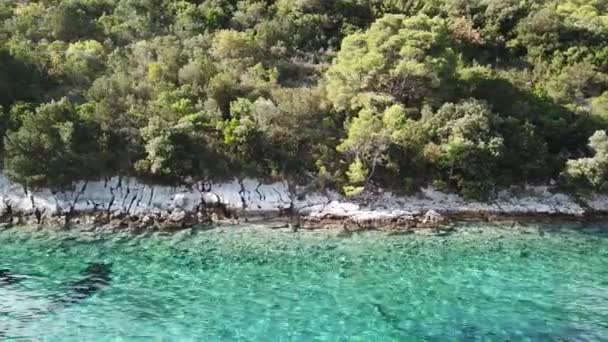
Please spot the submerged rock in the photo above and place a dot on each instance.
(9, 278)
(94, 278)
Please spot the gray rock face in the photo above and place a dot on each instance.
(130, 202)
(120, 196)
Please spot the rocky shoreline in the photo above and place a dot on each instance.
(126, 203)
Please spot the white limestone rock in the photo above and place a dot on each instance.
(597, 202)
(432, 217)
(129, 196)
(177, 215)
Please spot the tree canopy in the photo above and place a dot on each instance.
(469, 96)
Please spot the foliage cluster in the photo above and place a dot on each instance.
(468, 95)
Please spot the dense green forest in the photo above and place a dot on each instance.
(467, 95)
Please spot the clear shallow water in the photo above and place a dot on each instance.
(248, 284)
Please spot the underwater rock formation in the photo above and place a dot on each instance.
(95, 277)
(9, 278)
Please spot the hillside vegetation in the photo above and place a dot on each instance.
(467, 95)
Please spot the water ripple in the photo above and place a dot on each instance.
(249, 284)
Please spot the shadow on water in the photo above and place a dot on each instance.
(388, 317)
(9, 278)
(94, 278)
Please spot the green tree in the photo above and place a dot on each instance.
(472, 95)
(371, 137)
(591, 172)
(51, 148)
(464, 146)
(29, 21)
(77, 19)
(599, 106)
(84, 61)
(539, 33)
(399, 59)
(238, 49)
(576, 84)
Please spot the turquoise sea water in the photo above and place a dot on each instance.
(244, 283)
